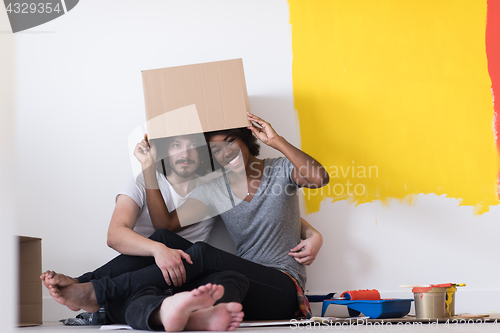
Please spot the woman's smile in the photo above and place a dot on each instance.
(234, 162)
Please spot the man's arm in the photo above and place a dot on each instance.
(125, 240)
(121, 234)
(307, 250)
(307, 171)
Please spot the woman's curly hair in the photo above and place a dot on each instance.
(243, 133)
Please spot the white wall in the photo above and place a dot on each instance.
(8, 248)
(78, 94)
(432, 241)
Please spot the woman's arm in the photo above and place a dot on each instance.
(192, 211)
(158, 211)
(307, 171)
(307, 250)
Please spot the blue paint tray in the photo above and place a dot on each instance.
(384, 308)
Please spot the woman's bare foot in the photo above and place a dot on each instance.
(176, 310)
(51, 278)
(222, 317)
(76, 296)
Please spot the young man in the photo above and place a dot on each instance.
(131, 224)
(130, 233)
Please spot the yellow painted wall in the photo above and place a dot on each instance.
(398, 88)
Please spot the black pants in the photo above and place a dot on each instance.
(136, 311)
(271, 293)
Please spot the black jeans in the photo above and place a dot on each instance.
(136, 311)
(271, 294)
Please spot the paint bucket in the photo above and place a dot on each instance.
(450, 301)
(430, 302)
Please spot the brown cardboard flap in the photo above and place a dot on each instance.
(30, 315)
(216, 89)
(177, 122)
(30, 285)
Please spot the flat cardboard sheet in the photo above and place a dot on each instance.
(215, 90)
(186, 121)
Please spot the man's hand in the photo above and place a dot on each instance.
(307, 250)
(171, 265)
(145, 153)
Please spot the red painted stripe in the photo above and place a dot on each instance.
(493, 56)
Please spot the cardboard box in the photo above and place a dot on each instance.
(30, 285)
(195, 98)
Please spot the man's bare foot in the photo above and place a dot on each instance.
(176, 310)
(76, 296)
(51, 278)
(222, 317)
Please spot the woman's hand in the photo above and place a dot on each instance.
(307, 172)
(305, 253)
(265, 132)
(307, 250)
(145, 153)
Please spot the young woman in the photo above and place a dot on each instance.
(257, 200)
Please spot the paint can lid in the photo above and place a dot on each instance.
(442, 285)
(431, 289)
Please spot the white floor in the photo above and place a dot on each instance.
(424, 328)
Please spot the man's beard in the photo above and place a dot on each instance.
(184, 171)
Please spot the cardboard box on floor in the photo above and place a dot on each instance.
(30, 285)
(195, 98)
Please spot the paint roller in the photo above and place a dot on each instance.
(352, 295)
(365, 295)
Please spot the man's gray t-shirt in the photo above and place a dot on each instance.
(266, 228)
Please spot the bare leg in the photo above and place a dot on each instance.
(51, 278)
(175, 310)
(222, 317)
(76, 296)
